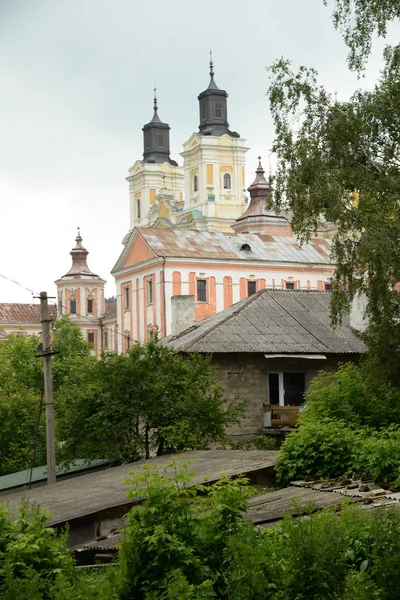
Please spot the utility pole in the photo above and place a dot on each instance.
(48, 389)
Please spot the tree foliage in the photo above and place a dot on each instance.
(22, 440)
(346, 395)
(122, 407)
(340, 162)
(193, 542)
(147, 400)
(358, 21)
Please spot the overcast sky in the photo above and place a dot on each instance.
(76, 86)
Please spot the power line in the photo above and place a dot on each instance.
(17, 283)
(95, 322)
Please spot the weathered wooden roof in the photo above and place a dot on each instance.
(271, 321)
(87, 494)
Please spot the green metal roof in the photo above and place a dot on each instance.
(21, 478)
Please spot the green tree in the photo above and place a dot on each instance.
(347, 396)
(148, 400)
(22, 438)
(359, 20)
(340, 162)
(20, 398)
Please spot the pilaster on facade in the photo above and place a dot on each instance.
(214, 174)
(146, 181)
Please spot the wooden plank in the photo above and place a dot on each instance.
(275, 505)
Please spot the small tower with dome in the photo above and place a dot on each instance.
(80, 294)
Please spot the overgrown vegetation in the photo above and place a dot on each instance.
(123, 407)
(345, 430)
(188, 542)
(339, 162)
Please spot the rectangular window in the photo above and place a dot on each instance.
(289, 285)
(60, 308)
(90, 306)
(90, 337)
(160, 140)
(72, 306)
(286, 389)
(203, 112)
(294, 386)
(201, 290)
(273, 388)
(218, 110)
(251, 288)
(150, 291)
(128, 341)
(127, 298)
(106, 339)
(328, 287)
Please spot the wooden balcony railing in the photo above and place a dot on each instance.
(281, 415)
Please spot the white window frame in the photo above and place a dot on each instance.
(281, 388)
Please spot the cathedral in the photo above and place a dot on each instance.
(197, 233)
(208, 193)
(197, 238)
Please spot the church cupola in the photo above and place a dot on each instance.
(214, 109)
(156, 139)
(259, 218)
(80, 294)
(79, 268)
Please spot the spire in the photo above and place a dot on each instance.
(213, 109)
(212, 85)
(156, 138)
(78, 240)
(260, 183)
(156, 118)
(259, 218)
(79, 268)
(155, 99)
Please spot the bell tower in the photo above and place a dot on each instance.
(154, 172)
(213, 109)
(80, 294)
(214, 166)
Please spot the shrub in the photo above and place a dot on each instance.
(321, 449)
(350, 396)
(177, 537)
(338, 396)
(379, 455)
(33, 556)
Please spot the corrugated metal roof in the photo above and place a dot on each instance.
(22, 313)
(220, 246)
(287, 322)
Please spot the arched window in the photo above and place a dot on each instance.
(138, 207)
(195, 183)
(227, 181)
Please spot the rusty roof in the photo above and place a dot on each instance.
(271, 321)
(220, 246)
(14, 313)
